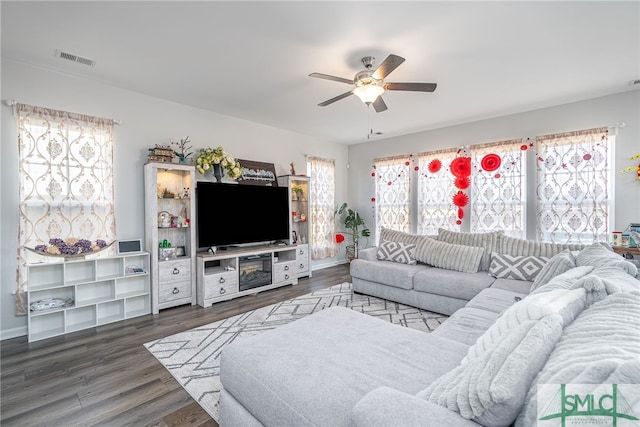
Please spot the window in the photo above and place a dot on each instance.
(66, 182)
(574, 184)
(498, 197)
(322, 206)
(435, 191)
(392, 193)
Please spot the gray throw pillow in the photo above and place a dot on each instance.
(388, 235)
(396, 252)
(489, 241)
(448, 256)
(516, 267)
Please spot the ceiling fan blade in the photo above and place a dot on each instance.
(337, 98)
(379, 105)
(416, 87)
(390, 63)
(328, 77)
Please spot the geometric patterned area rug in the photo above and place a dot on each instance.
(193, 356)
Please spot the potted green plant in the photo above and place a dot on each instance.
(355, 226)
(298, 191)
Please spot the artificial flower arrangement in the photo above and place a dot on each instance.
(636, 169)
(207, 157)
(182, 150)
(71, 246)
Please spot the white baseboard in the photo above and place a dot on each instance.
(320, 265)
(13, 333)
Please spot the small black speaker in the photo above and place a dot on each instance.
(126, 246)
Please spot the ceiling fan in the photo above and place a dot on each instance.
(370, 85)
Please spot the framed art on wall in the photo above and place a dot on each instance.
(257, 173)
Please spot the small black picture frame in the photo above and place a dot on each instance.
(127, 246)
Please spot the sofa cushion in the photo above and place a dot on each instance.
(525, 267)
(566, 304)
(491, 390)
(495, 300)
(519, 247)
(396, 252)
(600, 346)
(519, 286)
(599, 256)
(389, 273)
(461, 258)
(388, 235)
(273, 374)
(558, 264)
(466, 325)
(488, 241)
(451, 283)
(385, 406)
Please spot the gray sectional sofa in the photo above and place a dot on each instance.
(577, 321)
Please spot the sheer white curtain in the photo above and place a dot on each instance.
(498, 196)
(574, 184)
(392, 193)
(435, 191)
(322, 205)
(66, 182)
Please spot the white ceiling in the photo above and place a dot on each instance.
(252, 59)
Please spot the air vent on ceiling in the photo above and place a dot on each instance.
(75, 58)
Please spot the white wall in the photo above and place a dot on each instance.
(146, 121)
(604, 111)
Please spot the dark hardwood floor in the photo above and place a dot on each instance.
(104, 376)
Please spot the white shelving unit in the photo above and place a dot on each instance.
(172, 278)
(299, 221)
(219, 275)
(101, 290)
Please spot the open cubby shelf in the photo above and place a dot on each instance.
(101, 289)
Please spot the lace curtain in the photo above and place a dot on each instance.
(322, 206)
(498, 197)
(66, 182)
(574, 170)
(392, 193)
(435, 192)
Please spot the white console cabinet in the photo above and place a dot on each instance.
(98, 291)
(236, 272)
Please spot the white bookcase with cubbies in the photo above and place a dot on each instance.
(299, 222)
(94, 292)
(170, 233)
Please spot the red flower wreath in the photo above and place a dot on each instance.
(461, 167)
(339, 238)
(435, 165)
(460, 199)
(491, 162)
(462, 183)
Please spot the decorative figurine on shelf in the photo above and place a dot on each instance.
(294, 237)
(185, 193)
(292, 169)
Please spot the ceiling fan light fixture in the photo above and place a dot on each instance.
(368, 92)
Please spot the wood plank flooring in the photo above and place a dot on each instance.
(105, 377)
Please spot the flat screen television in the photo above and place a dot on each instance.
(233, 214)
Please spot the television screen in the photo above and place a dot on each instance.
(231, 214)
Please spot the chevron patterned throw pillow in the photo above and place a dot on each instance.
(396, 252)
(516, 267)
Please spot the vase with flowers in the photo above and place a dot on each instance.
(182, 150)
(219, 161)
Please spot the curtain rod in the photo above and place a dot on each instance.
(12, 103)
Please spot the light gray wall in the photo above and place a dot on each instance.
(146, 121)
(604, 111)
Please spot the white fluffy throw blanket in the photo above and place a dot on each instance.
(602, 346)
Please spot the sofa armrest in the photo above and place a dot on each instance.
(368, 254)
(386, 407)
